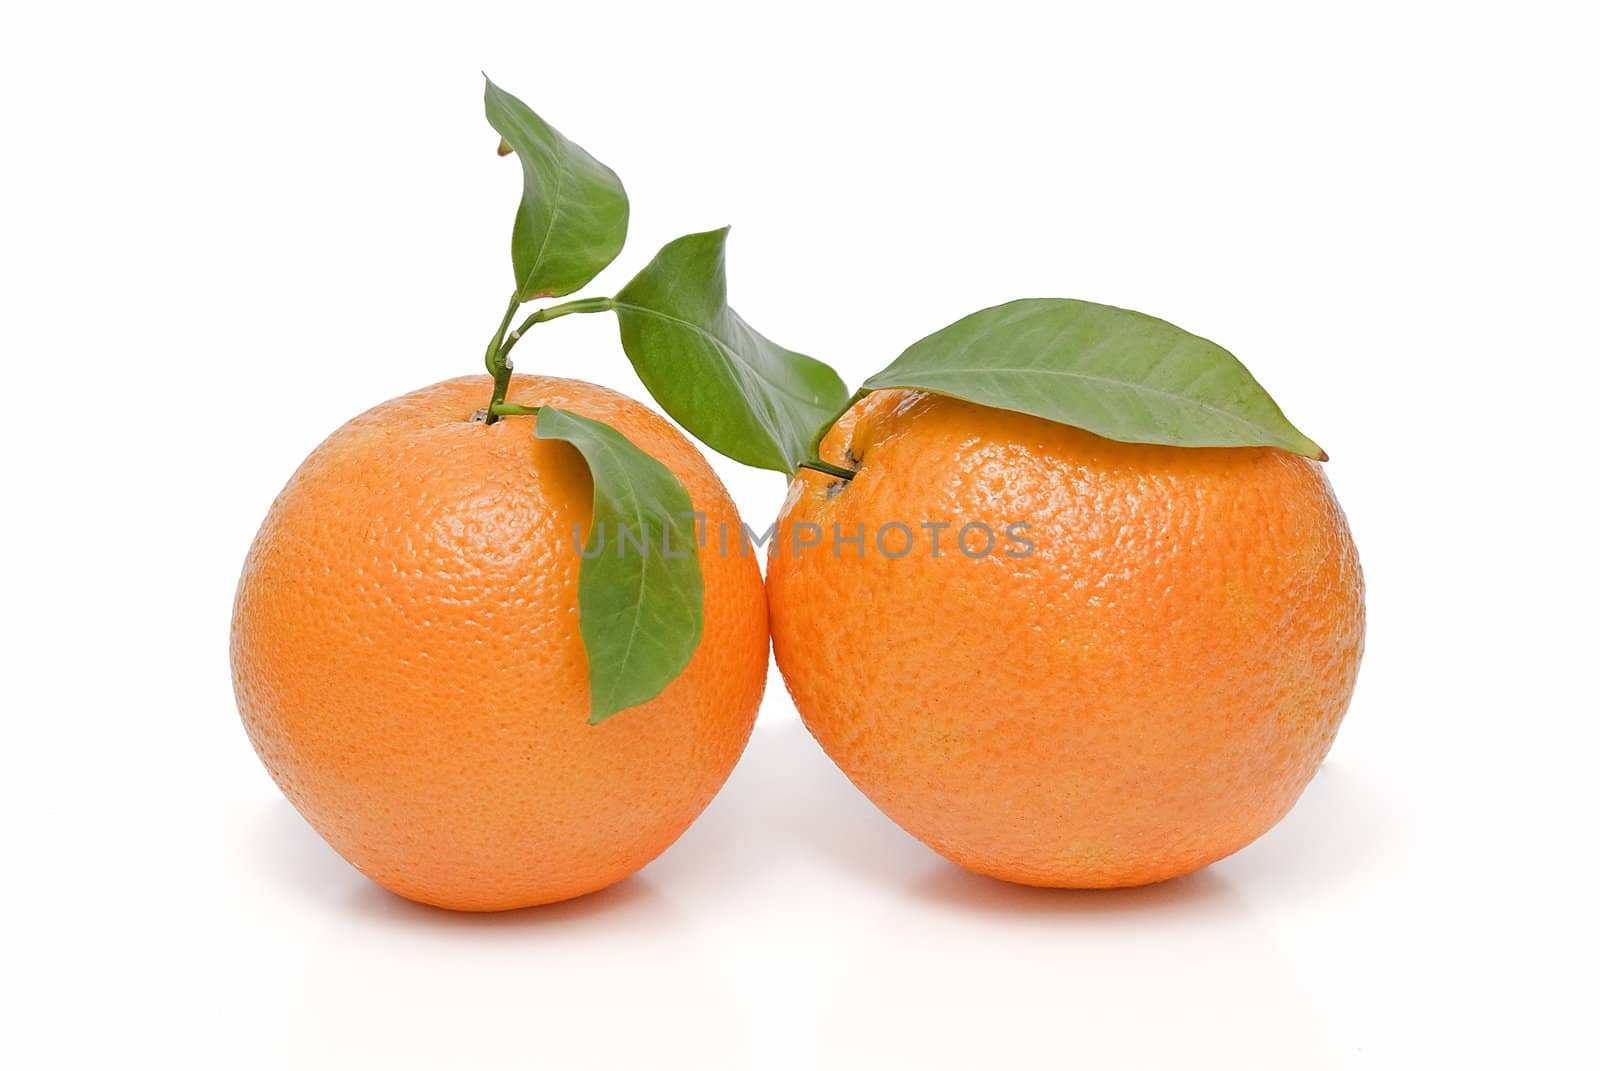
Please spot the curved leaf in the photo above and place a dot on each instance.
(739, 392)
(640, 592)
(573, 217)
(1119, 374)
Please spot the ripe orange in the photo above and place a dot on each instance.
(407, 659)
(1146, 692)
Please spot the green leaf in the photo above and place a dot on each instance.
(1120, 374)
(573, 217)
(640, 611)
(737, 391)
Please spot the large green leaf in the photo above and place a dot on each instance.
(737, 391)
(1119, 374)
(573, 217)
(640, 592)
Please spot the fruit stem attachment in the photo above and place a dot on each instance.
(815, 462)
(498, 360)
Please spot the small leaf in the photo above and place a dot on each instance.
(1120, 374)
(573, 217)
(640, 592)
(736, 390)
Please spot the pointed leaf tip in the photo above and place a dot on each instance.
(641, 593)
(573, 218)
(1120, 374)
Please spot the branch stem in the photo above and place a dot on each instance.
(495, 360)
(498, 357)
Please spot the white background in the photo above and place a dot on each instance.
(227, 229)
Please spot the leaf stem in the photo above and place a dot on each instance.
(555, 312)
(500, 409)
(816, 464)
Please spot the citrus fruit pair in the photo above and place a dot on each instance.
(1136, 678)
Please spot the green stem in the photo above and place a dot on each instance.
(495, 360)
(815, 461)
(816, 464)
(498, 357)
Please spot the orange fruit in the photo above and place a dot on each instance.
(407, 660)
(1147, 691)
